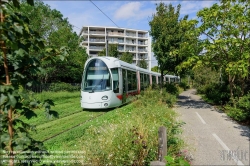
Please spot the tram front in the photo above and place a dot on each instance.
(96, 88)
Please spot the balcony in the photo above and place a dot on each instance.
(131, 50)
(131, 34)
(130, 42)
(84, 32)
(97, 32)
(142, 50)
(96, 47)
(97, 40)
(93, 55)
(142, 35)
(142, 43)
(143, 57)
(121, 49)
(116, 42)
(115, 34)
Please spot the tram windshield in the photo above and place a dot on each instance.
(96, 77)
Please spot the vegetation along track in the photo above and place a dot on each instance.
(66, 130)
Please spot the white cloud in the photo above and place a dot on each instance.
(192, 7)
(132, 11)
(128, 10)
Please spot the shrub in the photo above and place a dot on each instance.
(184, 84)
(216, 93)
(241, 110)
(172, 89)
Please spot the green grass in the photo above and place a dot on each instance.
(124, 136)
(66, 103)
(54, 127)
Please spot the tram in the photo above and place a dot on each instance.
(108, 82)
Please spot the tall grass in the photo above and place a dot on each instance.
(131, 136)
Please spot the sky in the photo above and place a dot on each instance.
(123, 14)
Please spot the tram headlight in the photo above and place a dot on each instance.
(105, 97)
(105, 104)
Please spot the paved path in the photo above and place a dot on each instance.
(212, 138)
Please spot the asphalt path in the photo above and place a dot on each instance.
(211, 137)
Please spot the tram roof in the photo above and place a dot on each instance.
(112, 62)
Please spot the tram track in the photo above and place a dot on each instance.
(64, 131)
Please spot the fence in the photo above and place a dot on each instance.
(55, 87)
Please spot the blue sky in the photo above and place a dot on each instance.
(125, 14)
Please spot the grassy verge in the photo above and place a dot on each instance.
(66, 103)
(62, 124)
(126, 135)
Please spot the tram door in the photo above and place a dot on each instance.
(124, 85)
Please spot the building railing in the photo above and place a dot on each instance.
(116, 41)
(130, 50)
(130, 42)
(131, 34)
(93, 55)
(97, 40)
(143, 36)
(115, 33)
(96, 32)
(142, 50)
(96, 47)
(85, 32)
(142, 44)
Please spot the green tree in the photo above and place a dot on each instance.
(112, 51)
(19, 45)
(166, 36)
(143, 64)
(155, 69)
(189, 46)
(226, 46)
(127, 57)
(57, 32)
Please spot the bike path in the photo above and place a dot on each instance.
(212, 138)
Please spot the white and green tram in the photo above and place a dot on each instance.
(108, 82)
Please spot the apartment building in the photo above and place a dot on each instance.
(136, 42)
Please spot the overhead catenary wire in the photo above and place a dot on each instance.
(104, 13)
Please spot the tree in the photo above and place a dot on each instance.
(18, 45)
(143, 64)
(127, 57)
(155, 69)
(112, 51)
(57, 32)
(226, 46)
(166, 36)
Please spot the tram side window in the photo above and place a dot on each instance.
(115, 76)
(154, 79)
(132, 80)
(159, 79)
(146, 80)
(141, 81)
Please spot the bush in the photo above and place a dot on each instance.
(184, 85)
(56, 87)
(216, 93)
(241, 110)
(172, 89)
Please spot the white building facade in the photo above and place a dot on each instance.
(137, 42)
